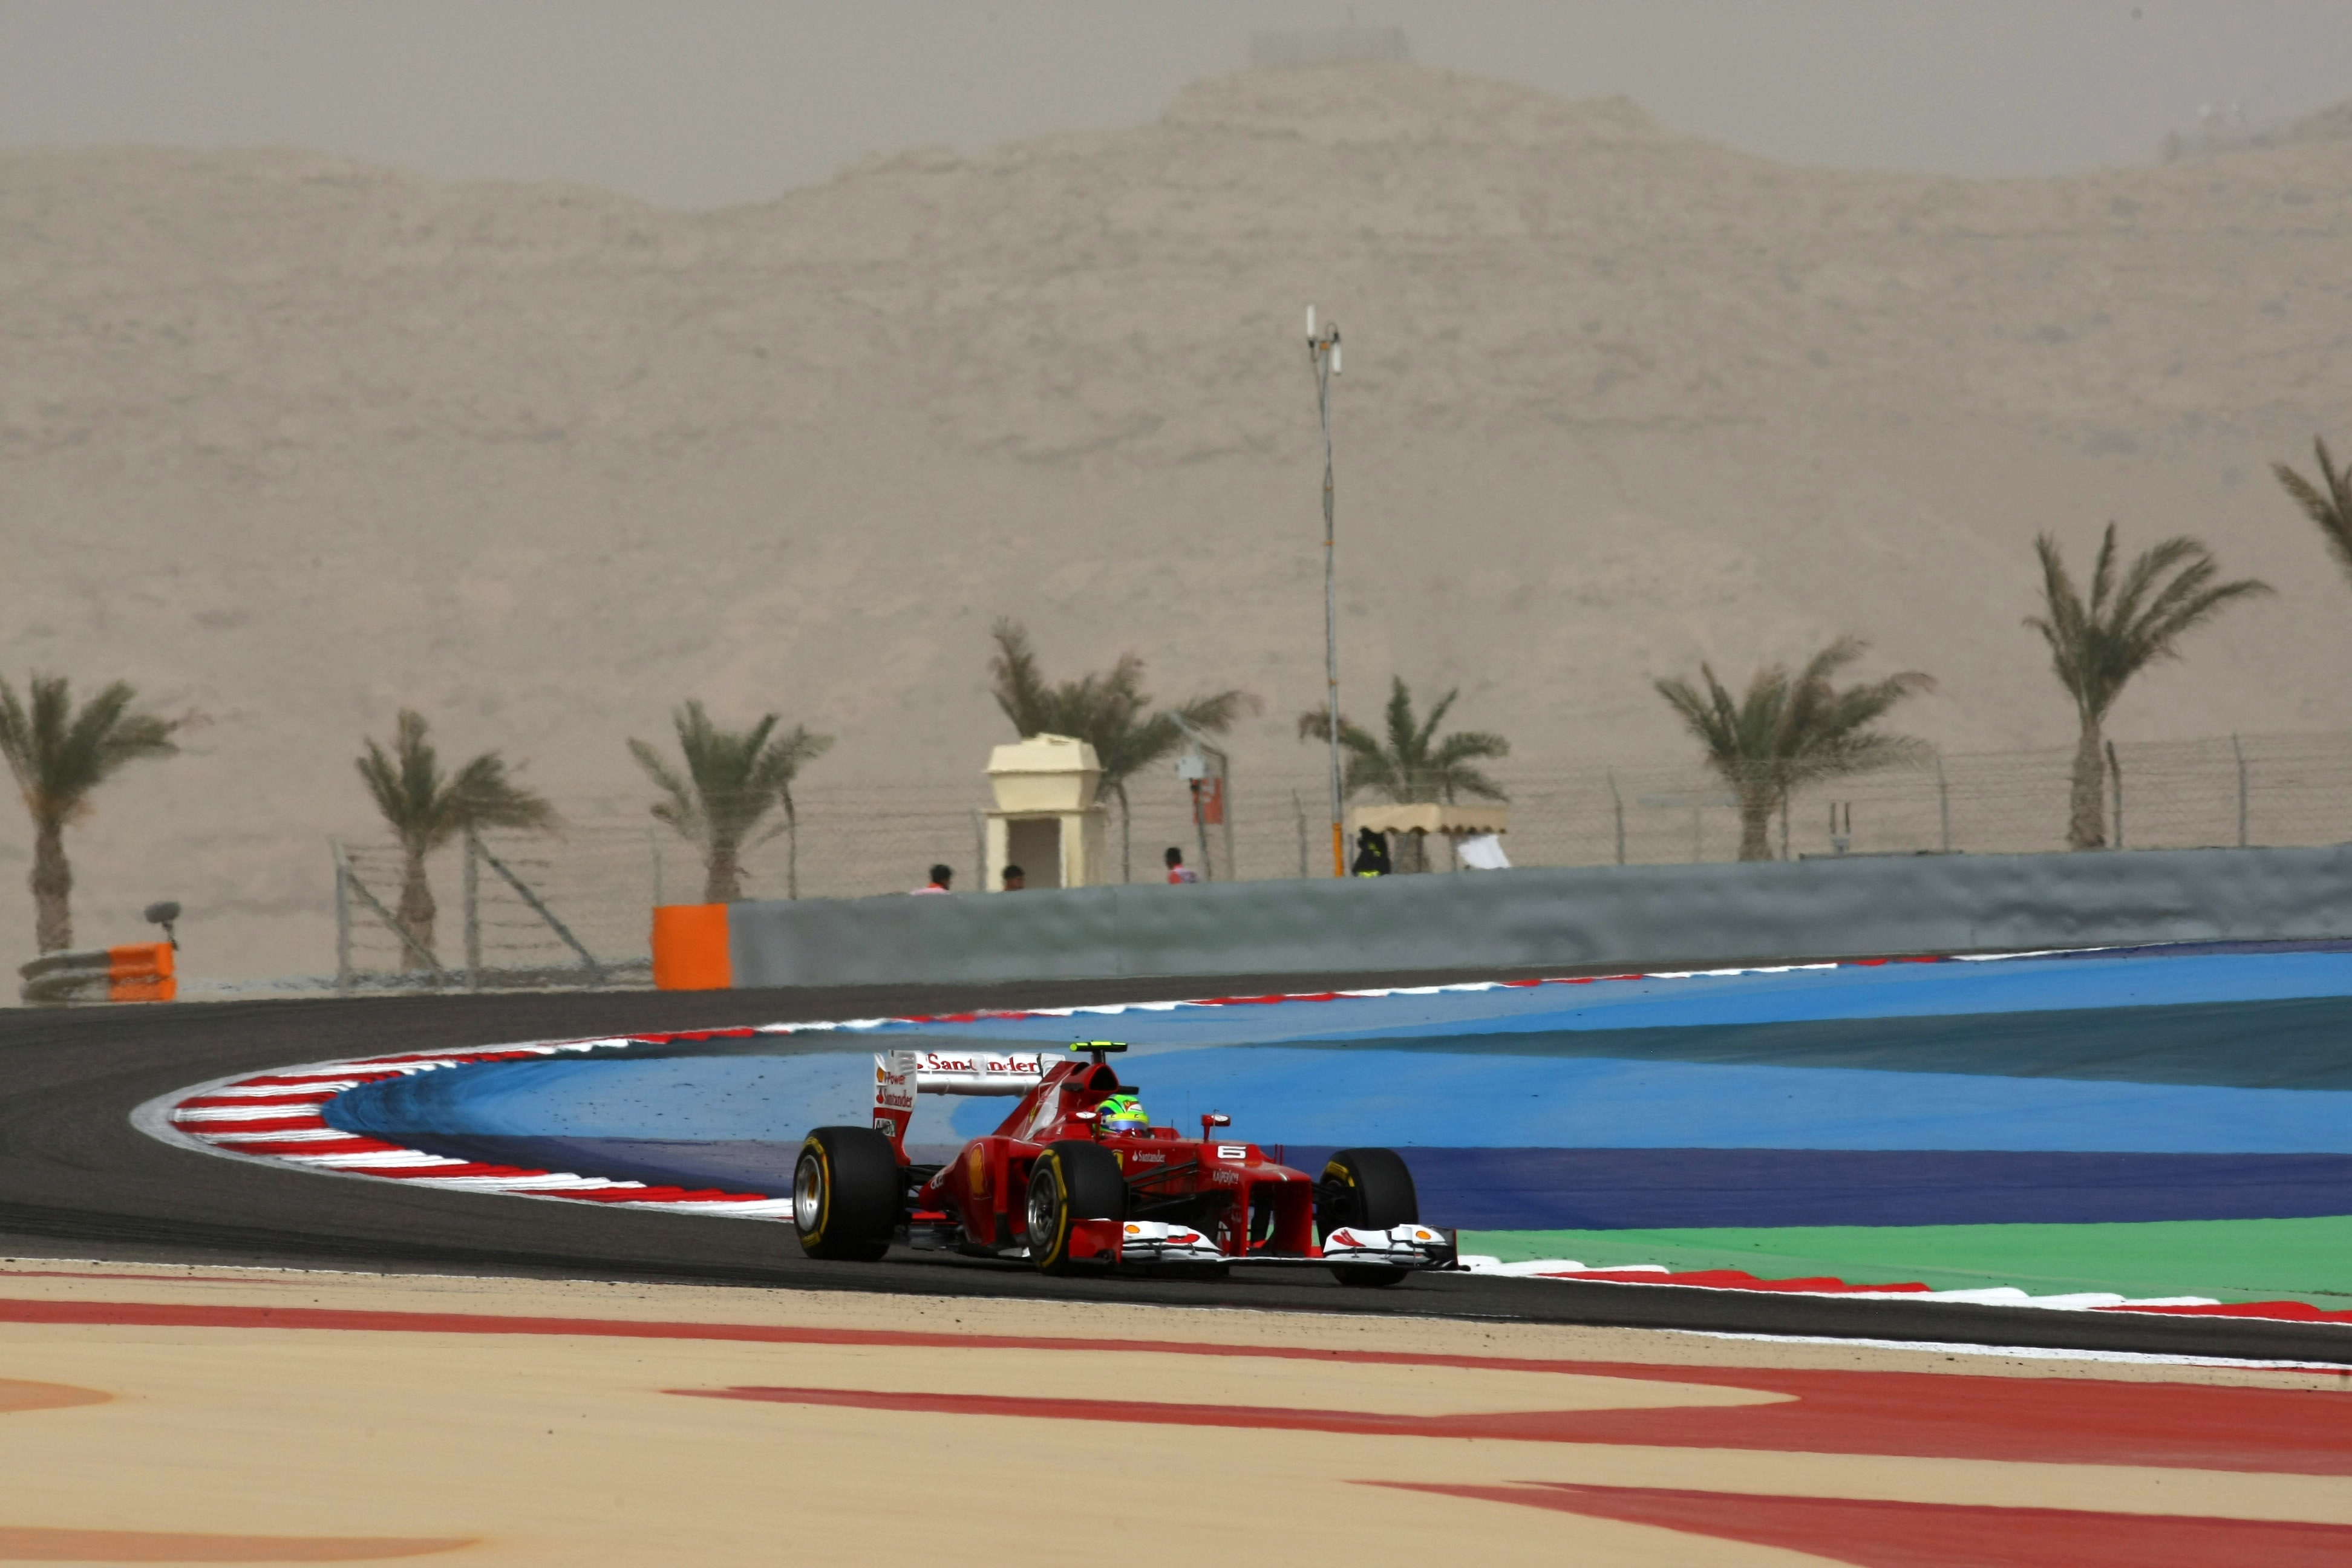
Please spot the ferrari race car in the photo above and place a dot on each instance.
(1077, 1177)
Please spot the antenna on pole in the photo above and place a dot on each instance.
(1323, 361)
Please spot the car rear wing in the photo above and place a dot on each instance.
(900, 1076)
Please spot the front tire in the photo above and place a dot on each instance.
(847, 1190)
(1365, 1189)
(1071, 1181)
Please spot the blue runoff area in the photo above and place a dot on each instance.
(1282, 1094)
(1894, 990)
(2142, 1086)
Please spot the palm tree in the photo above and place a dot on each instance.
(2327, 503)
(60, 757)
(1411, 763)
(1786, 731)
(1110, 713)
(733, 779)
(2096, 648)
(425, 809)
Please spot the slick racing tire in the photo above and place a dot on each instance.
(1071, 1181)
(1365, 1189)
(847, 1190)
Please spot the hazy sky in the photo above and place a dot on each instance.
(697, 104)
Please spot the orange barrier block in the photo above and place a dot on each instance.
(141, 972)
(690, 948)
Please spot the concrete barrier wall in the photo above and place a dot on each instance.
(1633, 916)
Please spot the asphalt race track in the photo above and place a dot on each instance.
(77, 1180)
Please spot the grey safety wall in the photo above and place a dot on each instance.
(1629, 916)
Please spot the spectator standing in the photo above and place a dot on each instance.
(1177, 870)
(941, 877)
(1371, 853)
(1015, 879)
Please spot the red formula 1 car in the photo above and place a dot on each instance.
(1064, 1188)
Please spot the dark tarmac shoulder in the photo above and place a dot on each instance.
(77, 1180)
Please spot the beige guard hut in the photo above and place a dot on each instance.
(1046, 820)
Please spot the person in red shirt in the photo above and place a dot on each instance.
(1177, 870)
(941, 877)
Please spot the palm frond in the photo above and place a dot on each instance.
(730, 779)
(1019, 689)
(2103, 572)
(58, 756)
(2328, 503)
(2167, 590)
(679, 810)
(1410, 764)
(1218, 712)
(482, 795)
(16, 737)
(1784, 731)
(1109, 710)
(425, 809)
(1468, 745)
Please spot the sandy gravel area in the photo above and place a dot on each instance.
(250, 1428)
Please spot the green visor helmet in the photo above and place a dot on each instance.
(1122, 1113)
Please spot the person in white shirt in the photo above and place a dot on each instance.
(941, 877)
(1177, 870)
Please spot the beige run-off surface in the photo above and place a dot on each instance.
(379, 1441)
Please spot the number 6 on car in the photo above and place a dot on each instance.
(1077, 1176)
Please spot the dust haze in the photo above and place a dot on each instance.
(290, 439)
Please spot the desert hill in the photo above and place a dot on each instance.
(289, 440)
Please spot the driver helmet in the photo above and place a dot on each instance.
(1122, 1113)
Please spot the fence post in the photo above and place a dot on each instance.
(1944, 800)
(1200, 831)
(1300, 811)
(473, 912)
(342, 916)
(979, 850)
(1617, 804)
(653, 842)
(2241, 752)
(1226, 800)
(791, 846)
(2116, 777)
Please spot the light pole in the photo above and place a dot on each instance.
(1323, 359)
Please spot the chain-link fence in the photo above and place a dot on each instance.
(509, 909)
(2170, 794)
(560, 908)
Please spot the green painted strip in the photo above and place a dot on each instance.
(2229, 1259)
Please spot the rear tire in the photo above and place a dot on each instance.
(1071, 1181)
(847, 1192)
(1365, 1189)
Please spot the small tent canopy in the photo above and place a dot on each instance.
(1460, 821)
